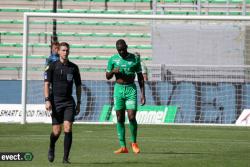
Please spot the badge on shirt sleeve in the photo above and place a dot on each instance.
(69, 77)
(45, 75)
(46, 68)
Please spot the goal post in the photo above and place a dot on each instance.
(179, 76)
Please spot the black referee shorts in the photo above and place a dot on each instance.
(63, 109)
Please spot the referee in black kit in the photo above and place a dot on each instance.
(61, 75)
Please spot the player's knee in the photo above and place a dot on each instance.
(67, 127)
(57, 131)
(132, 119)
(120, 119)
(131, 116)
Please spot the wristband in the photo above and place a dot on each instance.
(47, 99)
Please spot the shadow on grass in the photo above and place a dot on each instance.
(118, 163)
(175, 153)
(139, 162)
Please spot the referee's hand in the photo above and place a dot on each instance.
(48, 106)
(78, 109)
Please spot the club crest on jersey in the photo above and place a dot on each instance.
(117, 61)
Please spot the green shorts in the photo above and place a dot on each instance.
(125, 97)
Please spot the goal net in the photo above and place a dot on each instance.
(197, 66)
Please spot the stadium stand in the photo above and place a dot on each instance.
(11, 30)
(85, 48)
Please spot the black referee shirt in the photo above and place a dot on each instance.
(61, 76)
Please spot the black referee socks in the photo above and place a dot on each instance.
(67, 144)
(53, 140)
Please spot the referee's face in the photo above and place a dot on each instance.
(64, 52)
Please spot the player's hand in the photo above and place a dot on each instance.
(48, 106)
(78, 109)
(116, 70)
(143, 100)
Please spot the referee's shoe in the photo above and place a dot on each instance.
(66, 161)
(51, 154)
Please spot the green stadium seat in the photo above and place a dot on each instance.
(129, 35)
(96, 23)
(106, 0)
(75, 46)
(73, 57)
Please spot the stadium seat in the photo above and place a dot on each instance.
(72, 57)
(74, 45)
(120, 35)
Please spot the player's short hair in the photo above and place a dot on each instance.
(64, 44)
(54, 44)
(121, 42)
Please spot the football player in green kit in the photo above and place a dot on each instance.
(124, 66)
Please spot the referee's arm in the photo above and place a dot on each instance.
(48, 105)
(47, 82)
(78, 93)
(46, 89)
(78, 83)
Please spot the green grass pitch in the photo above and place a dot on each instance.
(161, 146)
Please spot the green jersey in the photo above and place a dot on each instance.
(128, 65)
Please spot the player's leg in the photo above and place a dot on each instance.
(119, 106)
(120, 114)
(67, 140)
(132, 125)
(69, 115)
(133, 129)
(56, 131)
(131, 105)
(57, 120)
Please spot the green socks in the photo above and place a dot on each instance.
(133, 130)
(121, 133)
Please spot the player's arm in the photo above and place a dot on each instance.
(110, 74)
(47, 82)
(46, 89)
(78, 97)
(78, 83)
(140, 80)
(110, 71)
(142, 87)
(48, 105)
